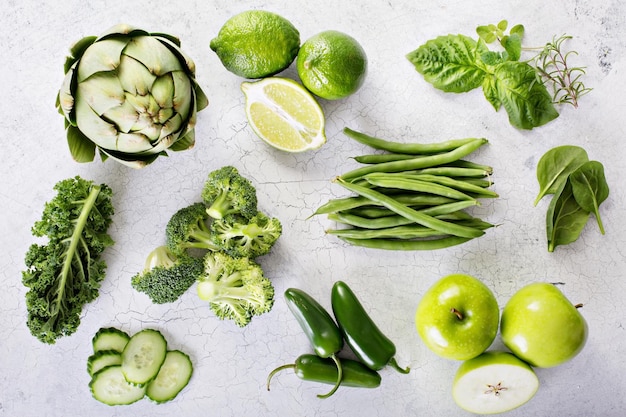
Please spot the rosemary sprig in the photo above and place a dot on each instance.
(553, 67)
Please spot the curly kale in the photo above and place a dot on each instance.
(65, 273)
(167, 276)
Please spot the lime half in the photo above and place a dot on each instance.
(284, 114)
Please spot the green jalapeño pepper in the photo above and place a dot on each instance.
(319, 327)
(313, 368)
(367, 342)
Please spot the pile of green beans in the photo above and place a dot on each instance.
(411, 196)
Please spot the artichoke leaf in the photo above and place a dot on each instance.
(163, 91)
(136, 143)
(134, 76)
(132, 161)
(174, 47)
(183, 94)
(172, 126)
(102, 56)
(201, 99)
(65, 99)
(101, 92)
(81, 148)
(185, 142)
(77, 50)
(98, 130)
(155, 56)
(124, 117)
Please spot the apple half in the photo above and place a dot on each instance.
(494, 382)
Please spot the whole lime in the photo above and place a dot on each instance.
(256, 44)
(332, 65)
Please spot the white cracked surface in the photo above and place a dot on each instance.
(231, 363)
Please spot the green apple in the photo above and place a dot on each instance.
(494, 382)
(457, 318)
(541, 326)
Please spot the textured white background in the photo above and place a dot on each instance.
(395, 102)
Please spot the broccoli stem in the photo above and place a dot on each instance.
(220, 206)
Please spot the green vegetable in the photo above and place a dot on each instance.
(227, 192)
(65, 273)
(173, 376)
(554, 168)
(319, 327)
(130, 94)
(110, 338)
(143, 356)
(313, 368)
(188, 229)
(101, 359)
(109, 386)
(565, 218)
(590, 188)
(360, 332)
(235, 288)
(252, 238)
(167, 276)
(579, 187)
(459, 63)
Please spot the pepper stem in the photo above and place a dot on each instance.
(339, 378)
(275, 371)
(394, 365)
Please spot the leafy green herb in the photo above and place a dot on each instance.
(555, 166)
(65, 274)
(590, 188)
(565, 219)
(458, 63)
(579, 187)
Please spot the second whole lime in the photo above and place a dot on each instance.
(332, 65)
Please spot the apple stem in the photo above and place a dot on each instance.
(579, 305)
(456, 313)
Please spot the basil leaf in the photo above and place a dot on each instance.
(513, 46)
(490, 90)
(590, 188)
(555, 166)
(526, 100)
(565, 218)
(449, 62)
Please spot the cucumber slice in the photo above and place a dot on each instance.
(494, 382)
(101, 359)
(109, 386)
(143, 356)
(109, 338)
(172, 377)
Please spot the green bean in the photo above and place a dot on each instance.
(411, 184)
(347, 203)
(452, 171)
(417, 163)
(406, 148)
(382, 157)
(369, 223)
(412, 231)
(435, 211)
(439, 179)
(417, 217)
(461, 163)
(394, 244)
(475, 181)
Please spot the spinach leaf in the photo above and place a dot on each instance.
(590, 188)
(450, 63)
(565, 218)
(527, 101)
(554, 168)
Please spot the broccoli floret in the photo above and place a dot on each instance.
(65, 274)
(246, 238)
(188, 229)
(235, 288)
(167, 276)
(227, 192)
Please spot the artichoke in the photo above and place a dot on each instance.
(130, 94)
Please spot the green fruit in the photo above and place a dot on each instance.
(332, 65)
(494, 382)
(256, 44)
(541, 326)
(458, 317)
